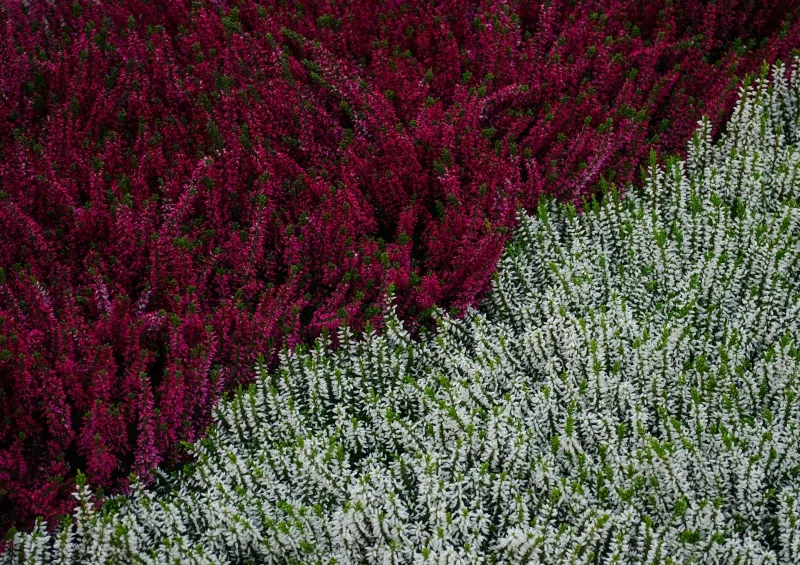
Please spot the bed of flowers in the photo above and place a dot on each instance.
(627, 393)
(200, 195)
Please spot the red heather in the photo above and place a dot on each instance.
(184, 185)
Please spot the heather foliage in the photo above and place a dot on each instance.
(184, 185)
(627, 394)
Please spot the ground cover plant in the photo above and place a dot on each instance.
(187, 185)
(628, 393)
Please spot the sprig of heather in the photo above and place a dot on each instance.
(186, 185)
(627, 394)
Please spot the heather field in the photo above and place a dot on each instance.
(386, 281)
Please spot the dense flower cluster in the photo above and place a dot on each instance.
(187, 184)
(629, 393)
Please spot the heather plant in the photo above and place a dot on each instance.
(628, 393)
(186, 185)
